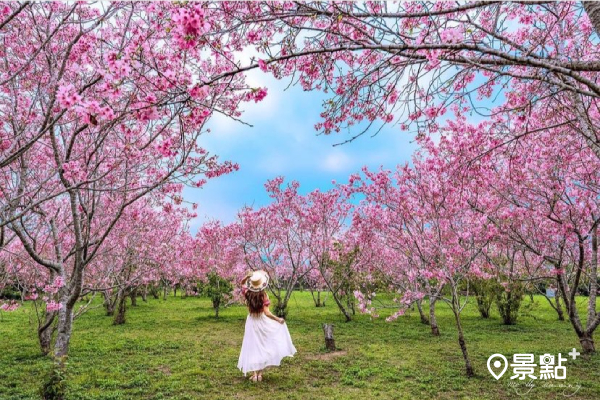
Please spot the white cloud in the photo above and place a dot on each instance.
(337, 161)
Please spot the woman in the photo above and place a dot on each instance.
(266, 337)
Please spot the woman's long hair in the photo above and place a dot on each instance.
(255, 301)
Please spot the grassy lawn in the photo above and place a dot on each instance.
(176, 349)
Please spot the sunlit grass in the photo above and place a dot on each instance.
(176, 349)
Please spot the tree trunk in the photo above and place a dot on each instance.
(424, 319)
(329, 340)
(349, 303)
(587, 342)
(318, 302)
(341, 307)
(593, 278)
(216, 306)
(281, 309)
(435, 331)
(45, 340)
(133, 296)
(109, 304)
(46, 331)
(592, 8)
(585, 335)
(64, 329)
(463, 346)
(145, 294)
(555, 304)
(559, 309)
(121, 308)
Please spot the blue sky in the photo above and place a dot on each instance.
(283, 141)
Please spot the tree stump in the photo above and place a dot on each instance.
(329, 340)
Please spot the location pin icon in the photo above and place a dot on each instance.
(492, 367)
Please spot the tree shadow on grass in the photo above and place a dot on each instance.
(222, 319)
(31, 357)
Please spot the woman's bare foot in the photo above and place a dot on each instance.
(260, 376)
(254, 377)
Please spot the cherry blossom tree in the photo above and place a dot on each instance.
(389, 214)
(324, 216)
(220, 261)
(133, 255)
(542, 195)
(142, 246)
(102, 106)
(423, 213)
(316, 286)
(414, 62)
(275, 238)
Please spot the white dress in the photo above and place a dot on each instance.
(266, 342)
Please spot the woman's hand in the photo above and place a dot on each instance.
(248, 275)
(281, 321)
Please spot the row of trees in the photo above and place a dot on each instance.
(102, 107)
(449, 223)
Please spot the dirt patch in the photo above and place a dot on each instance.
(163, 369)
(327, 356)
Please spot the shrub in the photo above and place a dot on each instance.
(485, 291)
(10, 293)
(218, 289)
(508, 300)
(54, 387)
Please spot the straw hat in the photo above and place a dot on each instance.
(259, 280)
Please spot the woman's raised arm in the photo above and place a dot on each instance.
(248, 275)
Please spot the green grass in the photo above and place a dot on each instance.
(176, 349)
